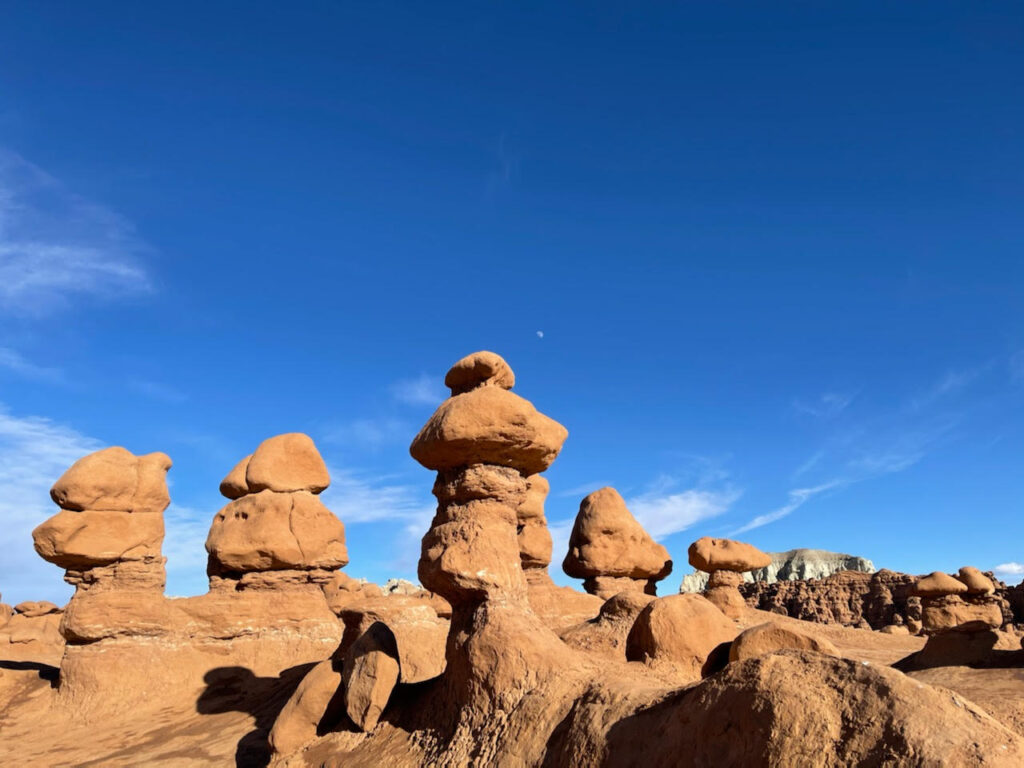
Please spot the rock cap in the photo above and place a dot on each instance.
(938, 584)
(977, 582)
(285, 463)
(708, 554)
(477, 370)
(607, 540)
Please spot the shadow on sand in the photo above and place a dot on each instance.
(237, 689)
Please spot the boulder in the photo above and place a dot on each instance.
(33, 608)
(488, 425)
(267, 530)
(708, 554)
(114, 479)
(772, 637)
(685, 632)
(977, 582)
(234, 486)
(477, 370)
(938, 584)
(317, 703)
(83, 539)
(608, 543)
(286, 463)
(370, 673)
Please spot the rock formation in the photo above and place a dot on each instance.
(270, 549)
(951, 604)
(611, 551)
(791, 565)
(30, 632)
(275, 523)
(725, 560)
(771, 637)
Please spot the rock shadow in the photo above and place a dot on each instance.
(237, 689)
(961, 649)
(46, 672)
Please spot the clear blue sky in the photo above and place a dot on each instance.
(774, 250)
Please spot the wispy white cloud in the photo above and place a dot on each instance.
(950, 383)
(34, 452)
(579, 491)
(55, 244)
(1010, 569)
(825, 406)
(797, 498)
(665, 514)
(15, 362)
(422, 390)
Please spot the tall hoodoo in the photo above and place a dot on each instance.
(485, 443)
(110, 529)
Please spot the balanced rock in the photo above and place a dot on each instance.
(977, 582)
(114, 479)
(479, 369)
(943, 609)
(611, 551)
(725, 560)
(34, 608)
(771, 637)
(710, 555)
(275, 521)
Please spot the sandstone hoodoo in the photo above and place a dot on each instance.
(275, 521)
(611, 551)
(948, 603)
(725, 560)
(108, 537)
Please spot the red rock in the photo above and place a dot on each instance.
(286, 463)
(772, 637)
(708, 554)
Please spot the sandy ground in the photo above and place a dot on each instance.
(225, 722)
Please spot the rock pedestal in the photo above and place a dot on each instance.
(726, 560)
(950, 604)
(611, 551)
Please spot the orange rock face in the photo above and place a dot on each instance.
(286, 463)
(680, 631)
(114, 479)
(708, 554)
(611, 550)
(771, 637)
(938, 584)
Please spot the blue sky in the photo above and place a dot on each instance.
(763, 260)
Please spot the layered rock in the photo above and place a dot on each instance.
(791, 565)
(611, 551)
(275, 521)
(725, 560)
(108, 536)
(30, 632)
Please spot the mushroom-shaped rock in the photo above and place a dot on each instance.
(723, 590)
(234, 486)
(488, 425)
(611, 551)
(285, 463)
(115, 479)
(268, 531)
(771, 637)
(710, 555)
(938, 584)
(977, 582)
(683, 632)
(479, 369)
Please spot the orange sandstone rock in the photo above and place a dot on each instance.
(771, 637)
(286, 463)
(708, 554)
